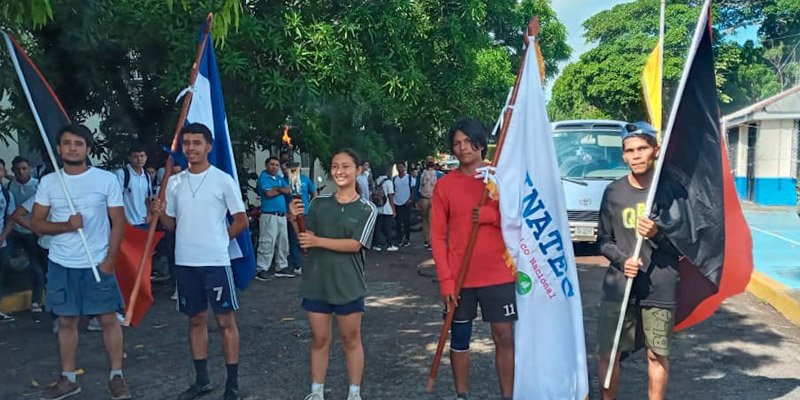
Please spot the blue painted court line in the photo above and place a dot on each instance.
(776, 245)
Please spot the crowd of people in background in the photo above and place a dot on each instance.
(383, 203)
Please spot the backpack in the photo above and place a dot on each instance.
(377, 195)
(126, 181)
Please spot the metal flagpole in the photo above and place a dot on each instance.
(50, 154)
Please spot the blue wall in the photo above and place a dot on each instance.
(776, 191)
(741, 186)
(769, 191)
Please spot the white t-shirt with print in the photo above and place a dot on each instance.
(200, 204)
(93, 192)
(135, 197)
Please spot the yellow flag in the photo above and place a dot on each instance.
(651, 84)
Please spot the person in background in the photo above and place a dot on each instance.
(383, 192)
(362, 182)
(7, 207)
(427, 181)
(403, 198)
(23, 187)
(273, 241)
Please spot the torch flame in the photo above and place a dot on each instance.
(286, 139)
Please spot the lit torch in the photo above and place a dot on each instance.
(293, 172)
(286, 139)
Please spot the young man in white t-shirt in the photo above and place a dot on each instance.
(198, 202)
(386, 214)
(136, 187)
(72, 290)
(403, 197)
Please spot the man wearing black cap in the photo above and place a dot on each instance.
(654, 274)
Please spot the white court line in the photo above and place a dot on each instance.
(775, 235)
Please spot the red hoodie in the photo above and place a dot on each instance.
(454, 197)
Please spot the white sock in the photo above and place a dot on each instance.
(317, 387)
(355, 389)
(70, 375)
(115, 372)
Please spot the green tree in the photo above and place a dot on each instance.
(606, 81)
(385, 77)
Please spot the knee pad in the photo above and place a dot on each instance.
(460, 335)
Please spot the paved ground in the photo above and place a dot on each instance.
(745, 351)
(776, 243)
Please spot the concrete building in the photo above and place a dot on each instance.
(763, 145)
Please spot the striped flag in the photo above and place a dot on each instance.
(51, 117)
(698, 209)
(208, 108)
(43, 101)
(550, 353)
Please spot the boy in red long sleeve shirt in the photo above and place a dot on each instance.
(489, 282)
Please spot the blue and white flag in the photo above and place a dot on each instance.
(208, 108)
(550, 352)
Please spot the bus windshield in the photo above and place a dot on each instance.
(590, 154)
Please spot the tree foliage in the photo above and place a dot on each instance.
(384, 77)
(606, 81)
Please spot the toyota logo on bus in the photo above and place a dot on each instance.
(585, 201)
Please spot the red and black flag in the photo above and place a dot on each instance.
(698, 208)
(50, 118)
(47, 109)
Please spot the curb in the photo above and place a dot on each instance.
(776, 294)
(16, 302)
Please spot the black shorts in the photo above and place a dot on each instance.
(498, 303)
(200, 286)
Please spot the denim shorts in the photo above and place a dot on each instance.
(323, 307)
(74, 292)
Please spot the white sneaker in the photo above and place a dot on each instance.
(174, 295)
(6, 318)
(392, 248)
(298, 271)
(376, 248)
(354, 396)
(315, 396)
(94, 325)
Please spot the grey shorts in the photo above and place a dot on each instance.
(656, 322)
(75, 292)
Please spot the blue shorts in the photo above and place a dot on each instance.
(323, 307)
(200, 286)
(73, 292)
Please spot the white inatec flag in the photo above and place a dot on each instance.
(550, 350)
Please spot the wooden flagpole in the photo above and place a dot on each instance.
(533, 30)
(187, 100)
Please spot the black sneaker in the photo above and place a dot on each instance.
(262, 276)
(196, 391)
(285, 273)
(231, 394)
